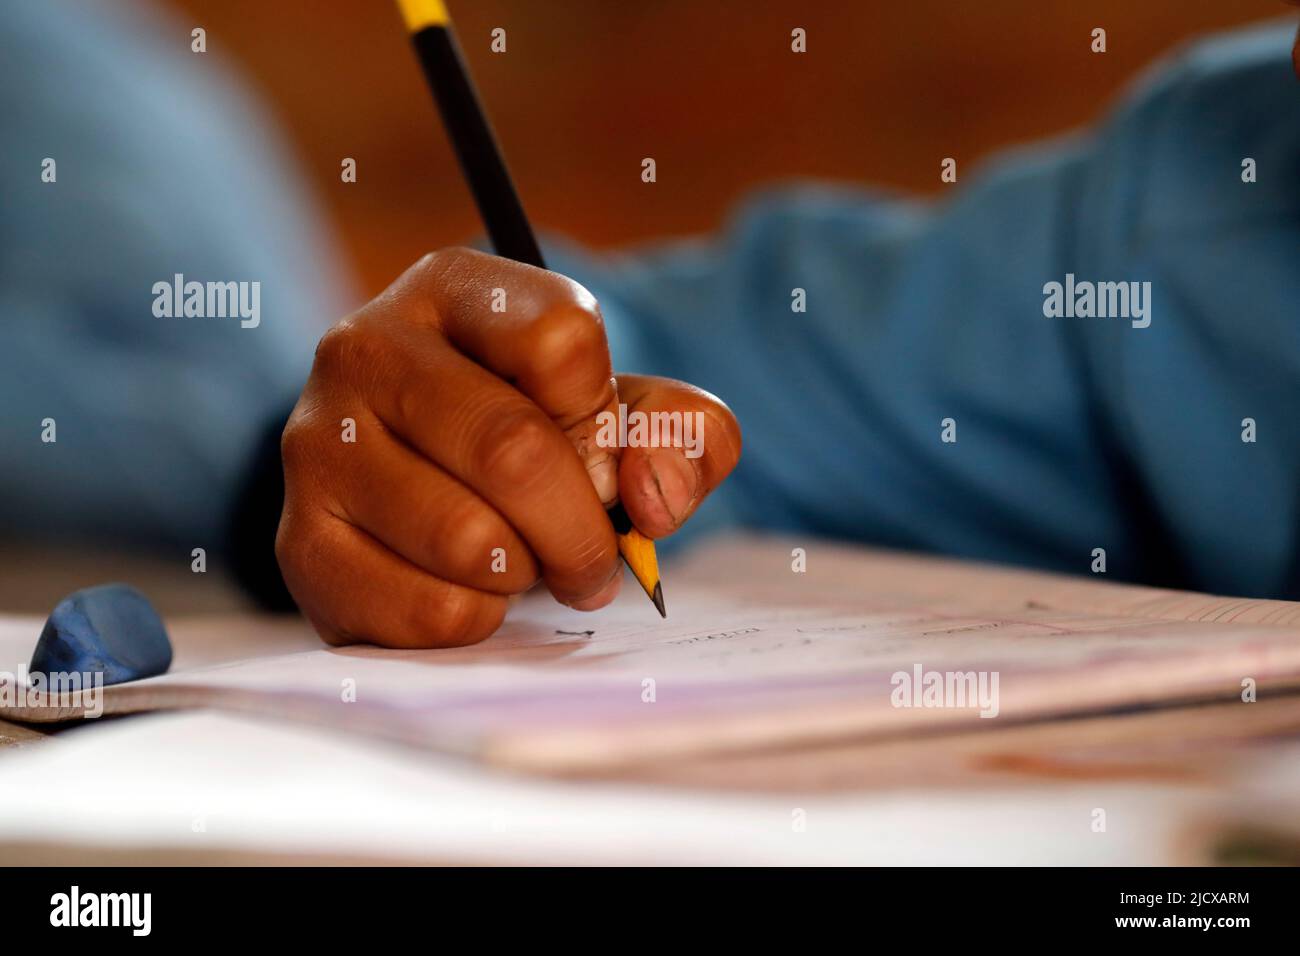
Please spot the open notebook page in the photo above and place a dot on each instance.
(754, 655)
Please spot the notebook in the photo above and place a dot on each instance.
(769, 644)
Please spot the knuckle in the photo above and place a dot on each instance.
(568, 336)
(410, 406)
(513, 450)
(332, 345)
(439, 262)
(457, 617)
(285, 552)
(293, 444)
(477, 535)
(307, 456)
(292, 555)
(455, 623)
(342, 348)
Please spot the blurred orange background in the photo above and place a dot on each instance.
(587, 88)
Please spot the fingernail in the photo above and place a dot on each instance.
(674, 482)
(604, 477)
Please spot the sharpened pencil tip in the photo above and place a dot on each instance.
(639, 553)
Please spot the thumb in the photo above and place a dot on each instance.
(681, 443)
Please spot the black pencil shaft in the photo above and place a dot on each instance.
(476, 148)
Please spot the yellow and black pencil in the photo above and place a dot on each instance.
(498, 203)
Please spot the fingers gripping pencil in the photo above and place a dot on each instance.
(503, 214)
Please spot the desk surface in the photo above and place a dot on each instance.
(213, 788)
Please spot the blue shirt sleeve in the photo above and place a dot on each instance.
(162, 166)
(1072, 433)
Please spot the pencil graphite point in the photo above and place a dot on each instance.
(658, 598)
(638, 552)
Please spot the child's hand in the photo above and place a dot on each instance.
(473, 468)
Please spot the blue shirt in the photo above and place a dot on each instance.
(1072, 434)
(162, 166)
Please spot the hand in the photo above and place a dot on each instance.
(476, 465)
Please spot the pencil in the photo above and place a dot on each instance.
(498, 204)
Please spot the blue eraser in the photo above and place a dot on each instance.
(111, 629)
